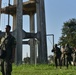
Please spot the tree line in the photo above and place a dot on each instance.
(68, 33)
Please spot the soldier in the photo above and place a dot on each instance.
(74, 56)
(68, 54)
(57, 55)
(63, 55)
(8, 44)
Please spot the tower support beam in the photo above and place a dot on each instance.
(32, 41)
(42, 46)
(43, 32)
(19, 32)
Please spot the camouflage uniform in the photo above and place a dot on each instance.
(8, 44)
(74, 56)
(57, 55)
(63, 55)
(68, 55)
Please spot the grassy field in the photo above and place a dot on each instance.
(42, 70)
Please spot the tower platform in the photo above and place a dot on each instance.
(29, 6)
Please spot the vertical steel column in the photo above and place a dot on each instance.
(39, 31)
(19, 32)
(14, 17)
(41, 27)
(32, 41)
(8, 14)
(43, 32)
(15, 1)
(0, 10)
(14, 22)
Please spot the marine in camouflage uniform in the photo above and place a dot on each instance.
(68, 55)
(57, 55)
(63, 55)
(74, 56)
(8, 44)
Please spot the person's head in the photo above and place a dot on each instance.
(55, 45)
(8, 28)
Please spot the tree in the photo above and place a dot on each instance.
(69, 33)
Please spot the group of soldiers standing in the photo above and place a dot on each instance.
(64, 56)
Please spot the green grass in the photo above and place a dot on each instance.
(42, 70)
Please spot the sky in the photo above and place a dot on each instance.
(56, 12)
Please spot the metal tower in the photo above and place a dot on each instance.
(17, 10)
